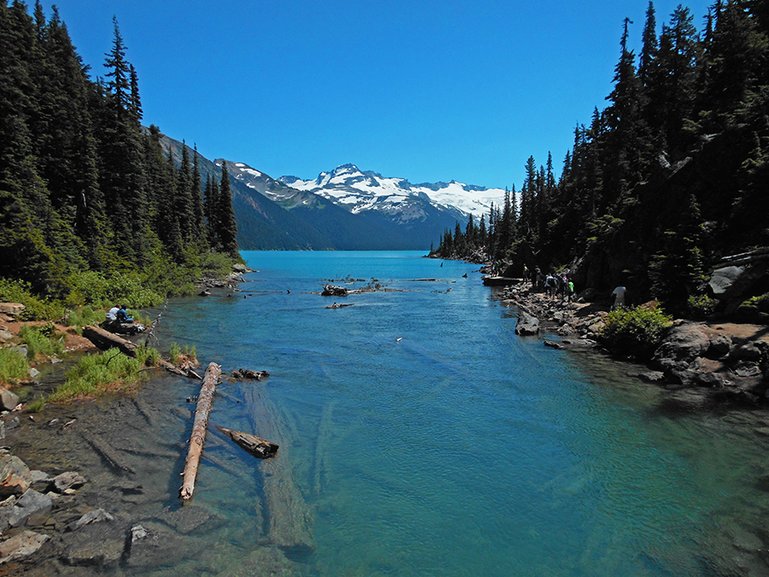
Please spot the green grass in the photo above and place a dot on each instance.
(84, 316)
(36, 308)
(95, 375)
(13, 366)
(42, 341)
(147, 356)
(177, 352)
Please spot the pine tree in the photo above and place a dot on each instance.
(227, 227)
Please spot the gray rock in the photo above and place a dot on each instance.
(21, 545)
(33, 373)
(95, 516)
(722, 279)
(15, 476)
(32, 508)
(138, 533)
(237, 267)
(96, 552)
(746, 352)
(5, 335)
(8, 399)
(6, 509)
(719, 347)
(655, 377)
(527, 324)
(40, 480)
(67, 482)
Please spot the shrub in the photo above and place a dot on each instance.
(636, 332)
(36, 308)
(94, 375)
(147, 356)
(42, 340)
(701, 306)
(83, 316)
(13, 366)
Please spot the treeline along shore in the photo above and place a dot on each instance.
(664, 193)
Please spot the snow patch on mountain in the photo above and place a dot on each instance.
(360, 191)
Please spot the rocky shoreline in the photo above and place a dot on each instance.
(713, 361)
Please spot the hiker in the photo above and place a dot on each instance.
(122, 315)
(550, 285)
(619, 297)
(112, 313)
(569, 290)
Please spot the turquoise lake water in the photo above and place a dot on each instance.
(420, 437)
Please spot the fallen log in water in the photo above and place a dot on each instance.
(198, 436)
(257, 446)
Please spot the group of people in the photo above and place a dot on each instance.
(554, 284)
(119, 313)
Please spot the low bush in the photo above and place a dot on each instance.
(147, 356)
(13, 366)
(42, 341)
(94, 375)
(83, 316)
(635, 332)
(701, 306)
(35, 308)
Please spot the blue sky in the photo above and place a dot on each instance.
(428, 90)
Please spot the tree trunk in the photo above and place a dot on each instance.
(205, 400)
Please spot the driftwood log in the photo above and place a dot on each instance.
(104, 340)
(257, 446)
(205, 400)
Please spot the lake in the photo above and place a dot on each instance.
(421, 437)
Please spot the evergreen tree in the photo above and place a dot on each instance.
(227, 227)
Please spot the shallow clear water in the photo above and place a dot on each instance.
(419, 436)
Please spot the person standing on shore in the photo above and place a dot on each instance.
(619, 296)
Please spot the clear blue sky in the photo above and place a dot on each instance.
(423, 89)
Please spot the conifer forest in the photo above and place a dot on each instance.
(84, 188)
(672, 175)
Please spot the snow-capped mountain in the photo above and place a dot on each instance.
(350, 209)
(360, 191)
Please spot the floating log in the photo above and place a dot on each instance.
(198, 436)
(553, 344)
(257, 446)
(339, 305)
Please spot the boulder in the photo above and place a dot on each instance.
(722, 279)
(21, 545)
(527, 324)
(683, 343)
(8, 400)
(719, 347)
(15, 476)
(6, 508)
(32, 508)
(12, 310)
(5, 335)
(241, 268)
(67, 482)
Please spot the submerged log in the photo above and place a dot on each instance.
(198, 436)
(257, 446)
(108, 453)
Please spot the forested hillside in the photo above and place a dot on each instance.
(84, 188)
(671, 176)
